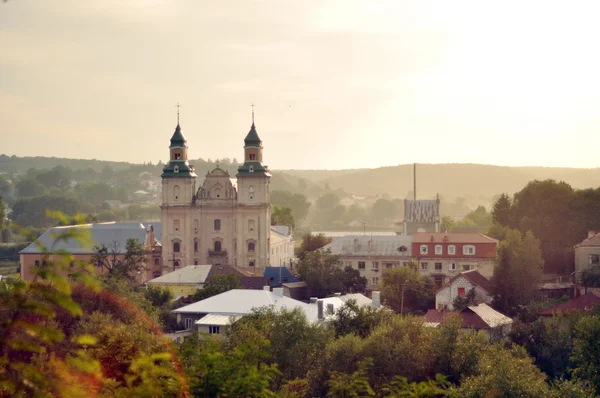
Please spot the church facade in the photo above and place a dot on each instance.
(223, 220)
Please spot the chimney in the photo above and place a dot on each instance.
(338, 294)
(376, 297)
(591, 234)
(313, 300)
(267, 288)
(320, 316)
(278, 291)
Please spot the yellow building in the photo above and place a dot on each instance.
(183, 282)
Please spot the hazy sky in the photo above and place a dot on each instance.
(337, 84)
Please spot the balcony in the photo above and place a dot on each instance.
(219, 253)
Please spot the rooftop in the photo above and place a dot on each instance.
(583, 303)
(364, 245)
(480, 316)
(474, 277)
(452, 237)
(590, 241)
(192, 275)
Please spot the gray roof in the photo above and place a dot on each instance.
(369, 246)
(281, 229)
(104, 233)
(490, 316)
(240, 302)
(421, 210)
(192, 274)
(217, 320)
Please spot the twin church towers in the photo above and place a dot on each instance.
(223, 221)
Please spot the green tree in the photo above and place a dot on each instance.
(33, 212)
(405, 290)
(352, 280)
(517, 272)
(501, 211)
(4, 187)
(354, 319)
(351, 385)
(586, 351)
(383, 210)
(311, 243)
(2, 217)
(29, 188)
(447, 224)
(460, 303)
(298, 202)
(282, 216)
(218, 284)
(480, 217)
(321, 271)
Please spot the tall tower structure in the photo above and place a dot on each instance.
(178, 190)
(253, 179)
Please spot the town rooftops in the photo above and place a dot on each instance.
(452, 237)
(474, 277)
(582, 304)
(369, 246)
(240, 302)
(190, 275)
(217, 320)
(592, 240)
(480, 316)
(107, 234)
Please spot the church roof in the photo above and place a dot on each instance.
(179, 169)
(253, 169)
(252, 138)
(178, 140)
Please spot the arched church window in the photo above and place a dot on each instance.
(217, 246)
(195, 246)
(176, 192)
(251, 246)
(176, 247)
(217, 224)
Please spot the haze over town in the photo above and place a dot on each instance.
(354, 84)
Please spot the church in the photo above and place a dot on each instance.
(224, 220)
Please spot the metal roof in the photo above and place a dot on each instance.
(240, 302)
(421, 210)
(369, 246)
(103, 233)
(192, 274)
(452, 237)
(217, 320)
(490, 316)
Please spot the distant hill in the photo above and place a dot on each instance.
(475, 182)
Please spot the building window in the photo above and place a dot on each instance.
(375, 265)
(251, 246)
(424, 266)
(439, 249)
(37, 263)
(593, 259)
(189, 322)
(177, 156)
(176, 192)
(251, 225)
(176, 225)
(405, 263)
(251, 264)
(251, 169)
(469, 250)
(389, 265)
(375, 280)
(466, 267)
(214, 330)
(176, 169)
(176, 264)
(438, 266)
(423, 249)
(348, 263)
(176, 247)
(195, 225)
(217, 224)
(195, 261)
(452, 267)
(361, 265)
(156, 274)
(217, 246)
(452, 249)
(461, 291)
(195, 246)
(156, 261)
(252, 156)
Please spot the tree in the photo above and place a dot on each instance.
(218, 284)
(354, 319)
(4, 187)
(282, 216)
(33, 212)
(405, 290)
(321, 271)
(501, 211)
(353, 281)
(460, 303)
(116, 262)
(2, 217)
(352, 385)
(383, 210)
(29, 188)
(517, 272)
(311, 243)
(480, 217)
(298, 202)
(586, 350)
(447, 224)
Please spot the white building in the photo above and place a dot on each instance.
(222, 221)
(282, 246)
(460, 285)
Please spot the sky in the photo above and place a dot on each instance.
(336, 84)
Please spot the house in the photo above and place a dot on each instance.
(320, 310)
(296, 290)
(372, 255)
(232, 304)
(282, 246)
(248, 278)
(582, 304)
(184, 281)
(460, 285)
(113, 235)
(480, 317)
(587, 252)
(443, 255)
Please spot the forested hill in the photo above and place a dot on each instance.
(475, 182)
